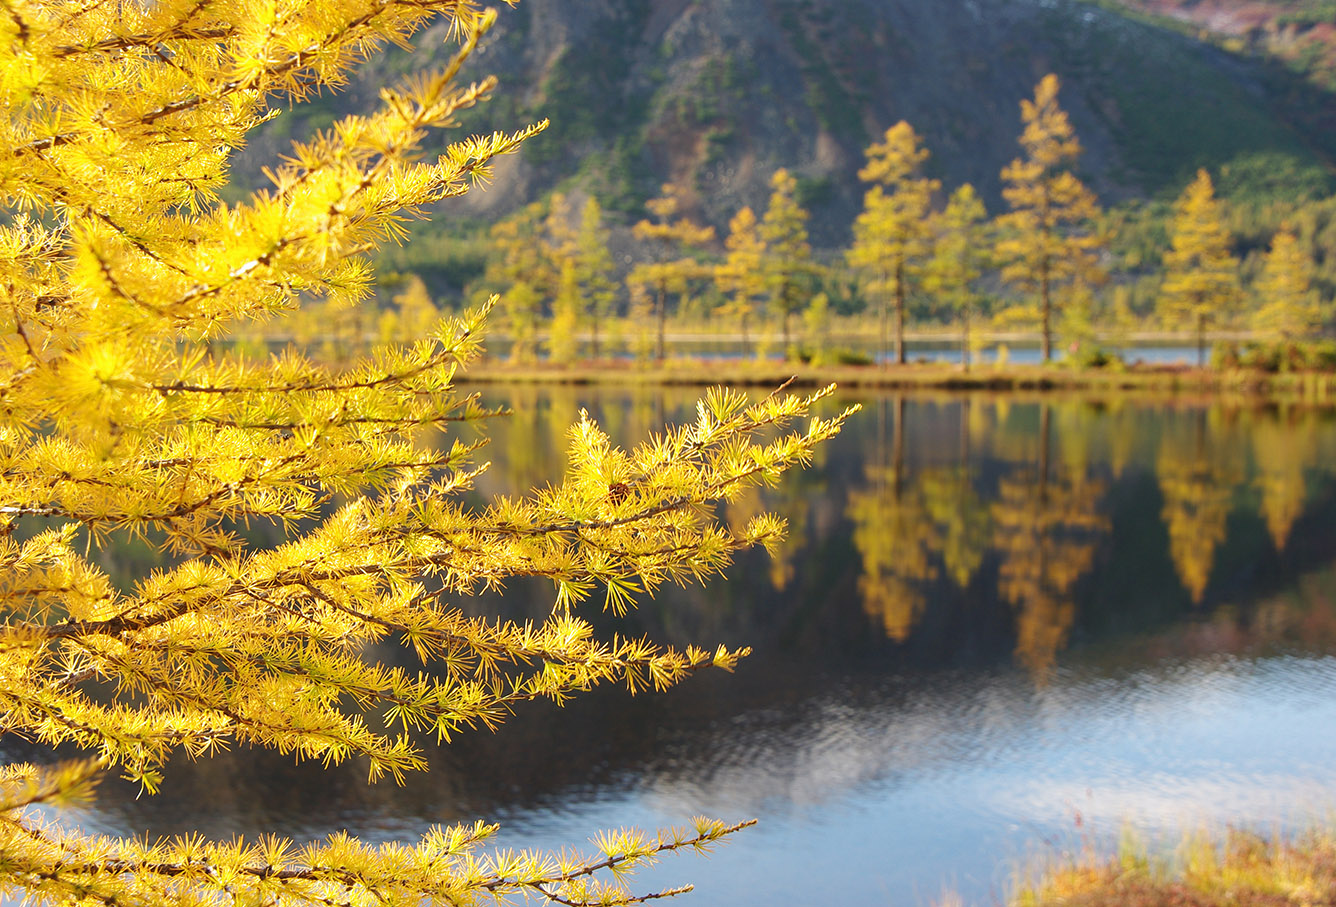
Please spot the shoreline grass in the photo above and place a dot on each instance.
(1240, 868)
(1157, 379)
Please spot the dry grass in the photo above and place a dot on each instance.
(1242, 870)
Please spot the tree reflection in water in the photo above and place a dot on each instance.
(947, 553)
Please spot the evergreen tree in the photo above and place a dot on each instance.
(1287, 305)
(414, 313)
(668, 236)
(1201, 275)
(742, 272)
(788, 261)
(1047, 237)
(594, 270)
(959, 259)
(120, 263)
(893, 233)
(517, 267)
(563, 340)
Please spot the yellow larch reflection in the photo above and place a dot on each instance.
(895, 537)
(1282, 451)
(1197, 483)
(1046, 531)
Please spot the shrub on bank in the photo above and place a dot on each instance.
(1274, 357)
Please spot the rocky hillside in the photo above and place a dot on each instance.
(1300, 33)
(717, 94)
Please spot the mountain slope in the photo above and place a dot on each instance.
(717, 94)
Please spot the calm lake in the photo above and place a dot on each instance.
(1001, 629)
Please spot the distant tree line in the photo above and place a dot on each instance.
(1053, 263)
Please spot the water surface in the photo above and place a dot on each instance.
(1000, 629)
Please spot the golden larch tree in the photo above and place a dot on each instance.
(671, 238)
(741, 274)
(120, 264)
(788, 259)
(1048, 239)
(1287, 305)
(594, 270)
(960, 257)
(518, 268)
(1201, 274)
(893, 233)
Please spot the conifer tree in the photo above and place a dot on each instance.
(1287, 306)
(1201, 274)
(413, 315)
(959, 259)
(668, 235)
(594, 270)
(1047, 237)
(742, 272)
(120, 264)
(893, 233)
(788, 261)
(517, 268)
(563, 341)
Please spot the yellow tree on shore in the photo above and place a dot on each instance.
(960, 256)
(1201, 274)
(593, 270)
(742, 272)
(518, 267)
(669, 236)
(1047, 239)
(120, 263)
(893, 233)
(1287, 305)
(788, 259)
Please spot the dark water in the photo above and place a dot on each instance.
(1001, 629)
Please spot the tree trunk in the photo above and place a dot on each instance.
(965, 339)
(1201, 340)
(1046, 297)
(663, 317)
(885, 328)
(900, 312)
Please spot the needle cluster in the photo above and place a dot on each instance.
(125, 415)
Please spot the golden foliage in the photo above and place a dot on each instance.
(1047, 238)
(121, 421)
(893, 233)
(788, 255)
(1201, 280)
(1288, 304)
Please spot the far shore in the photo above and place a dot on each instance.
(685, 371)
